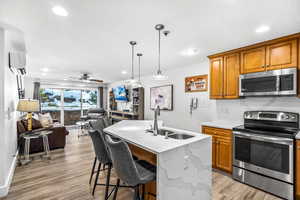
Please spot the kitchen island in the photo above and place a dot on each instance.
(183, 165)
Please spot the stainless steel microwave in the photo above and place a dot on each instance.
(269, 83)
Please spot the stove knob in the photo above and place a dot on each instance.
(285, 117)
(248, 115)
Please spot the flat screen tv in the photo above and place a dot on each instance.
(120, 93)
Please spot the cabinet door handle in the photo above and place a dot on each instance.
(263, 66)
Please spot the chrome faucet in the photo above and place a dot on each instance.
(155, 126)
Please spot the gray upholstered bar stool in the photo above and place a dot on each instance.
(103, 158)
(128, 170)
(107, 121)
(98, 125)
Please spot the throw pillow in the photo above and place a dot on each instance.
(46, 120)
(20, 127)
(36, 124)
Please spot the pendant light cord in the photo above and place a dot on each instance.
(159, 50)
(139, 68)
(132, 71)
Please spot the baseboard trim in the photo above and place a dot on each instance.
(4, 189)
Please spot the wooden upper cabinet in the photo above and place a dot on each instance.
(216, 78)
(226, 67)
(253, 60)
(231, 75)
(282, 55)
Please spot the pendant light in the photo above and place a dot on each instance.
(159, 75)
(139, 83)
(132, 81)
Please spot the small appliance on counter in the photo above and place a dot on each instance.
(269, 83)
(263, 151)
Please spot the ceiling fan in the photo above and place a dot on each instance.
(86, 77)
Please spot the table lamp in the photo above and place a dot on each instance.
(29, 106)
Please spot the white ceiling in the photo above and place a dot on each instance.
(95, 36)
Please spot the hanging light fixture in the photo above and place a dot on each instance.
(132, 81)
(139, 83)
(159, 75)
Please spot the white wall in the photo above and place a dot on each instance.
(10, 40)
(208, 110)
(180, 117)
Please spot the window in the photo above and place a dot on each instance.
(89, 100)
(75, 103)
(51, 102)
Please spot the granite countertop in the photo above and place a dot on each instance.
(133, 131)
(222, 124)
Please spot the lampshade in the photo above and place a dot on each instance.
(28, 105)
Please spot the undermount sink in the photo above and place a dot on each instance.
(171, 134)
(161, 131)
(180, 136)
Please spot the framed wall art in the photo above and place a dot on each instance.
(161, 96)
(196, 83)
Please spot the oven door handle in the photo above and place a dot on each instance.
(276, 140)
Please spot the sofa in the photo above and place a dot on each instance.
(56, 140)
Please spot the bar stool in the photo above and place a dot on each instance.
(103, 158)
(128, 170)
(96, 125)
(107, 121)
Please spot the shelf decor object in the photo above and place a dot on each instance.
(161, 96)
(196, 83)
(29, 106)
(159, 75)
(132, 81)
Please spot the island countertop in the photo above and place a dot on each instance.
(183, 166)
(134, 132)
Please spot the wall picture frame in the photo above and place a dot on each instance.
(197, 83)
(161, 96)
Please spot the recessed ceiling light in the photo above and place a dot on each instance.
(60, 11)
(190, 52)
(65, 79)
(124, 72)
(45, 69)
(262, 29)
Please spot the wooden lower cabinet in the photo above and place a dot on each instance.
(214, 150)
(224, 154)
(151, 158)
(221, 147)
(297, 165)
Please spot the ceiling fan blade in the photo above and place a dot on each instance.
(74, 78)
(96, 80)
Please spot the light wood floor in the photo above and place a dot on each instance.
(66, 177)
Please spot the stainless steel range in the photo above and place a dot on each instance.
(263, 151)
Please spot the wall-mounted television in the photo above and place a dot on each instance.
(120, 93)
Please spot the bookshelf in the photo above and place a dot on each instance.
(137, 101)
